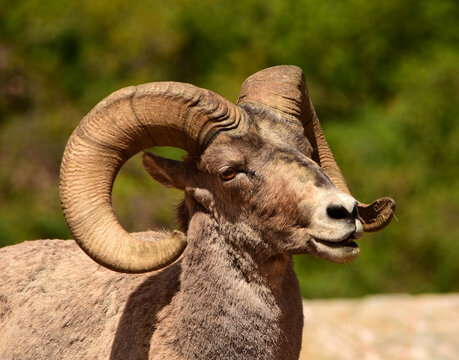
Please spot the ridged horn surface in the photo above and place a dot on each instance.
(283, 90)
(124, 123)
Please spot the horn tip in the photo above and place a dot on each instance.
(377, 215)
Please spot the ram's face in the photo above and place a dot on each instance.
(267, 182)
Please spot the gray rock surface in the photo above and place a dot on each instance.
(382, 327)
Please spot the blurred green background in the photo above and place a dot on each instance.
(383, 75)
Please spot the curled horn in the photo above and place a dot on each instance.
(283, 90)
(124, 123)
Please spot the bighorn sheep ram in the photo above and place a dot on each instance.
(260, 185)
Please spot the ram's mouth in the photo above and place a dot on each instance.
(341, 251)
(349, 241)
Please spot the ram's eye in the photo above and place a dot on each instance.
(227, 173)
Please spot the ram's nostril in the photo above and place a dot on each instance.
(338, 212)
(355, 212)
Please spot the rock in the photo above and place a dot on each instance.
(382, 327)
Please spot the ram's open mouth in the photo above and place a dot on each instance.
(349, 241)
(336, 251)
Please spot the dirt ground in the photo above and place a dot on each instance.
(386, 327)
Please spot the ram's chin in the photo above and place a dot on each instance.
(337, 252)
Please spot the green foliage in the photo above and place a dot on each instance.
(383, 76)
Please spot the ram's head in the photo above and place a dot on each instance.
(263, 165)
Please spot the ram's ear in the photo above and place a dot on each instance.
(170, 173)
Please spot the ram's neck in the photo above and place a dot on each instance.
(242, 305)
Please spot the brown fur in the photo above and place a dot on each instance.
(66, 306)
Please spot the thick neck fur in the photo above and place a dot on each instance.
(232, 302)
